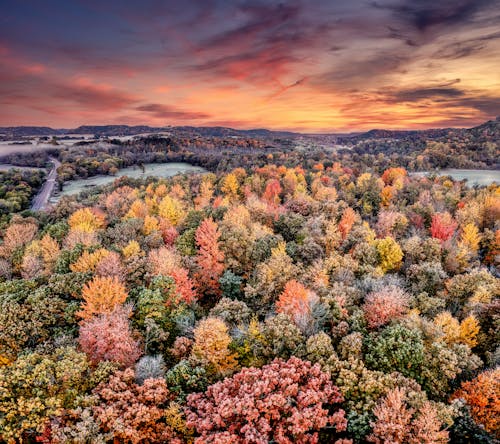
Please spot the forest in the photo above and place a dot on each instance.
(279, 302)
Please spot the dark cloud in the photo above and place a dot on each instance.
(411, 95)
(424, 14)
(161, 111)
(465, 48)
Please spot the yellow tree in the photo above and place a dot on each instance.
(390, 254)
(469, 329)
(50, 251)
(86, 220)
(211, 347)
(88, 261)
(171, 209)
(449, 325)
(132, 249)
(230, 186)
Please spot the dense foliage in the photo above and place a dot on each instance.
(282, 304)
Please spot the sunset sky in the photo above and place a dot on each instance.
(310, 65)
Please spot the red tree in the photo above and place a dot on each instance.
(108, 337)
(443, 226)
(210, 258)
(272, 193)
(382, 306)
(282, 402)
(134, 413)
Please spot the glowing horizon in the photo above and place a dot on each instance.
(309, 66)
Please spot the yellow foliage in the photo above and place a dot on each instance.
(150, 224)
(211, 346)
(449, 325)
(138, 210)
(390, 254)
(102, 295)
(230, 185)
(132, 249)
(88, 261)
(469, 329)
(481, 296)
(279, 250)
(86, 220)
(4, 360)
(470, 237)
(171, 209)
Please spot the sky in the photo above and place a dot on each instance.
(305, 65)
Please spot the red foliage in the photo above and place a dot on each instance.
(108, 337)
(183, 285)
(282, 402)
(210, 258)
(272, 193)
(382, 306)
(134, 413)
(443, 226)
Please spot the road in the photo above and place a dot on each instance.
(42, 198)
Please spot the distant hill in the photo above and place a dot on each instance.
(489, 129)
(125, 130)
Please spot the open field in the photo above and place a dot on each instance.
(473, 177)
(153, 169)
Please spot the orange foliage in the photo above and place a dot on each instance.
(347, 221)
(16, 235)
(482, 394)
(272, 193)
(102, 295)
(210, 258)
(294, 300)
(394, 176)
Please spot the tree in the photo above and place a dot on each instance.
(230, 186)
(88, 260)
(295, 299)
(396, 423)
(87, 220)
(172, 210)
(38, 386)
(482, 394)
(390, 254)
(396, 348)
(282, 402)
(17, 235)
(131, 413)
(211, 347)
(382, 306)
(108, 337)
(347, 221)
(470, 237)
(102, 295)
(443, 226)
(210, 259)
(272, 192)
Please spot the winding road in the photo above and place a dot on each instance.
(42, 198)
